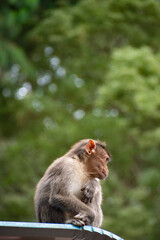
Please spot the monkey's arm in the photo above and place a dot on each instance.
(83, 214)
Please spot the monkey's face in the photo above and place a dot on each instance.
(97, 163)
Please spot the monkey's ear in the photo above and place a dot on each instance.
(90, 146)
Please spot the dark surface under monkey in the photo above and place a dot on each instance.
(70, 191)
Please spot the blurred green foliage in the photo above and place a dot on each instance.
(82, 69)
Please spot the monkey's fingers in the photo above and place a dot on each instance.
(79, 220)
(76, 222)
(82, 217)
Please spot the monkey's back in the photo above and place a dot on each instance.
(59, 178)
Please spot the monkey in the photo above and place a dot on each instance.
(70, 191)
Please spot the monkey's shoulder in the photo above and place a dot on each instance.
(67, 172)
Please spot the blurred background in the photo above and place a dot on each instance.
(77, 69)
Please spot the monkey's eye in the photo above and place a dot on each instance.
(107, 159)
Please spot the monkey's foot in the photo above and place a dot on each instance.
(79, 220)
(88, 193)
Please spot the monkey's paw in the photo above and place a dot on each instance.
(88, 193)
(79, 220)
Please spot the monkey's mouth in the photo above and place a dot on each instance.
(102, 176)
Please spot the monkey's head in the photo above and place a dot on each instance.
(94, 156)
(97, 159)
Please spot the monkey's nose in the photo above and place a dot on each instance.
(106, 173)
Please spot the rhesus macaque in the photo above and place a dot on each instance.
(70, 191)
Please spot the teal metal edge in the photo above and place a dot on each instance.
(59, 226)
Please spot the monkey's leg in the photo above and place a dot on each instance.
(71, 204)
(49, 214)
(92, 197)
(97, 211)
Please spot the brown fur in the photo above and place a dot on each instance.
(70, 179)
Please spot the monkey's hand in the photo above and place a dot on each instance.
(88, 191)
(79, 220)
